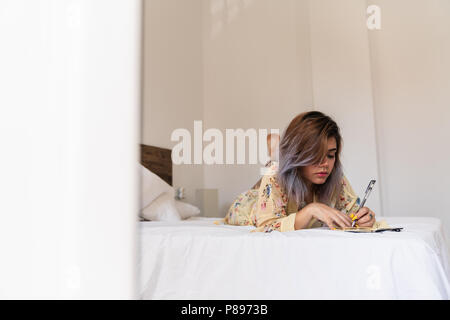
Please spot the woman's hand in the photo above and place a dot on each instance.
(331, 217)
(365, 217)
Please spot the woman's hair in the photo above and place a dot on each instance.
(304, 143)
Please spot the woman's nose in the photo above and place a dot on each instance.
(323, 163)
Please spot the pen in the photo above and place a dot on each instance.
(366, 195)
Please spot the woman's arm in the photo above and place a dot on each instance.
(302, 219)
(270, 212)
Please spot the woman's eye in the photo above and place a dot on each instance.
(330, 156)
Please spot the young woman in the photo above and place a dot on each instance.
(307, 187)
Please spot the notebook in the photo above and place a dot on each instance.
(378, 226)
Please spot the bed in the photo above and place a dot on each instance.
(202, 258)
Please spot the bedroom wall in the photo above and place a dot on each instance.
(257, 74)
(342, 86)
(411, 82)
(172, 79)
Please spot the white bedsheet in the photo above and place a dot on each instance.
(197, 259)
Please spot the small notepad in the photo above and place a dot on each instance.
(378, 226)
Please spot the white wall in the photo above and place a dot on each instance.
(411, 81)
(257, 74)
(172, 79)
(342, 86)
(69, 134)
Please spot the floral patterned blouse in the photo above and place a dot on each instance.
(268, 208)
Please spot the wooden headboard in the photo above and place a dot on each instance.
(157, 160)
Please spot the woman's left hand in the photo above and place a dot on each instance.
(365, 217)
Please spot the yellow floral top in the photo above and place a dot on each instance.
(268, 208)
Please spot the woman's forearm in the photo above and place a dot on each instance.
(302, 219)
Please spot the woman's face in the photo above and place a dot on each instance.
(318, 174)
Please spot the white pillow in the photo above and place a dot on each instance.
(163, 208)
(186, 210)
(152, 186)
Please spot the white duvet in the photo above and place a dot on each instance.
(197, 259)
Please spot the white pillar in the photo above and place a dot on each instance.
(69, 135)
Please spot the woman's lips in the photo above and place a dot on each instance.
(322, 174)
